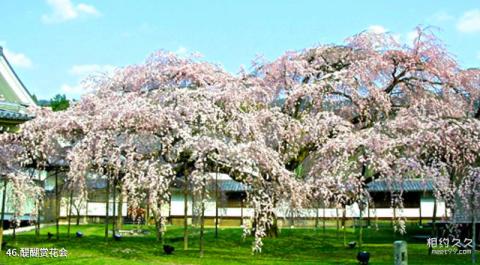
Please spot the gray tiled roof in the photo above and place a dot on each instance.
(13, 115)
(405, 185)
(231, 185)
(224, 185)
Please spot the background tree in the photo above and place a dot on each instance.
(59, 103)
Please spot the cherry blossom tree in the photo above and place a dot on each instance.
(22, 185)
(372, 108)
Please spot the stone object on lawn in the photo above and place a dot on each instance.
(117, 237)
(168, 249)
(363, 257)
(400, 253)
(352, 244)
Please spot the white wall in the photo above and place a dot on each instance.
(351, 211)
(94, 209)
(98, 209)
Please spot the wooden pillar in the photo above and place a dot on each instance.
(324, 217)
(39, 206)
(57, 205)
(185, 212)
(434, 218)
(241, 212)
(147, 212)
(368, 214)
(474, 225)
(344, 222)
(170, 208)
(216, 204)
(114, 189)
(336, 218)
(420, 213)
(107, 198)
(2, 217)
(70, 212)
(202, 222)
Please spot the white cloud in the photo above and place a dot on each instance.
(83, 70)
(16, 58)
(469, 22)
(74, 90)
(182, 51)
(64, 10)
(411, 37)
(80, 72)
(378, 29)
(441, 16)
(87, 9)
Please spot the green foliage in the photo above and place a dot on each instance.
(299, 171)
(59, 103)
(35, 99)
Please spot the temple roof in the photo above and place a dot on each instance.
(406, 185)
(14, 96)
(12, 89)
(13, 115)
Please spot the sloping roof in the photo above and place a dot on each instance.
(230, 185)
(407, 185)
(224, 182)
(11, 87)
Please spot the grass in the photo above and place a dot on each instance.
(293, 246)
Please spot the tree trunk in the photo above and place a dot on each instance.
(86, 212)
(107, 198)
(39, 206)
(344, 222)
(159, 225)
(120, 211)
(14, 234)
(360, 232)
(316, 218)
(37, 224)
(474, 227)
(241, 212)
(185, 213)
(272, 230)
(292, 222)
(57, 205)
(434, 219)
(216, 204)
(324, 217)
(420, 214)
(202, 222)
(194, 220)
(78, 218)
(170, 209)
(147, 213)
(70, 212)
(368, 215)
(394, 219)
(4, 197)
(114, 193)
(338, 221)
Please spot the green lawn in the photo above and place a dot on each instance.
(293, 246)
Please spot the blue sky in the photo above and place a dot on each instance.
(53, 44)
